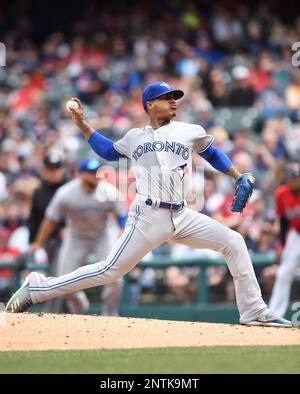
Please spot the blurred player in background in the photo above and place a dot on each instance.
(53, 176)
(288, 208)
(87, 205)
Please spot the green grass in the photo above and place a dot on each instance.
(233, 359)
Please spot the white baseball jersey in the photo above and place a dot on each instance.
(86, 214)
(162, 158)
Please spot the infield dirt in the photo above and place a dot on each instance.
(40, 331)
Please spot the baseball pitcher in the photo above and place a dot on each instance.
(161, 155)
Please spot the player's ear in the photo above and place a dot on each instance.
(148, 106)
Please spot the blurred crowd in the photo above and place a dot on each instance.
(233, 60)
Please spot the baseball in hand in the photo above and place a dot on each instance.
(72, 104)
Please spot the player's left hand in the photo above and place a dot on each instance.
(243, 190)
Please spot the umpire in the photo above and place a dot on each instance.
(53, 176)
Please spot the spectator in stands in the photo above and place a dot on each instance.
(212, 198)
(243, 162)
(292, 95)
(205, 50)
(242, 142)
(242, 93)
(216, 89)
(265, 244)
(259, 214)
(270, 157)
(180, 284)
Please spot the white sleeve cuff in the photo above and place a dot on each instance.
(204, 143)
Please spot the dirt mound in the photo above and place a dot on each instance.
(39, 331)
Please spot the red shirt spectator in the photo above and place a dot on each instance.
(7, 253)
(288, 205)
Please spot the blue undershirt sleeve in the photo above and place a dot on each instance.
(104, 147)
(216, 158)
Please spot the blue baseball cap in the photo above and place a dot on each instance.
(157, 89)
(89, 165)
(53, 160)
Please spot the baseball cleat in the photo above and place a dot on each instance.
(269, 320)
(21, 300)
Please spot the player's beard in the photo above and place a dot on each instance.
(91, 185)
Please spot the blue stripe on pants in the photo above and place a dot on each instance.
(102, 270)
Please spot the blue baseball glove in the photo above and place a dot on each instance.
(243, 190)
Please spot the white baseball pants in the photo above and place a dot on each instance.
(290, 260)
(147, 228)
(72, 255)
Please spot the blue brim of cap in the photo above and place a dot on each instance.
(89, 167)
(177, 94)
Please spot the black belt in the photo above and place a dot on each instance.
(167, 205)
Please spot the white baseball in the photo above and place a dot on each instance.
(71, 104)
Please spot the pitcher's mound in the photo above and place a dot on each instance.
(40, 331)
